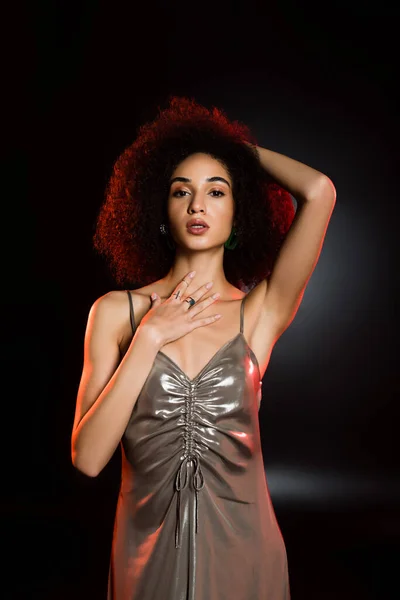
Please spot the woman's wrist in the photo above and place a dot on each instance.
(150, 336)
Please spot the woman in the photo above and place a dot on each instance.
(200, 219)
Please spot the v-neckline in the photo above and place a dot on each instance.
(208, 363)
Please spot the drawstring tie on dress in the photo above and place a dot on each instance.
(198, 484)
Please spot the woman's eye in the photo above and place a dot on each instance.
(179, 192)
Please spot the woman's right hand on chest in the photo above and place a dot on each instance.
(175, 317)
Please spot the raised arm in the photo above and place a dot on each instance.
(315, 195)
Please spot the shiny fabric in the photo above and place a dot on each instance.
(194, 518)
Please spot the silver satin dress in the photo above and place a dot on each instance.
(194, 518)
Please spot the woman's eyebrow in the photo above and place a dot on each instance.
(211, 179)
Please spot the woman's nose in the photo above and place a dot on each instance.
(197, 204)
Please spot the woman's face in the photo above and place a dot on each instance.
(193, 196)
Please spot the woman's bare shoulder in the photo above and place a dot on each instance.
(112, 309)
(116, 298)
(140, 299)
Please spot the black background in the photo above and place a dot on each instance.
(315, 82)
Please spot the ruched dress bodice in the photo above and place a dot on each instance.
(194, 518)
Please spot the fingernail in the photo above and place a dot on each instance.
(192, 273)
(215, 296)
(209, 284)
(153, 296)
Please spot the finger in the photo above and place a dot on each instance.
(203, 289)
(155, 299)
(204, 321)
(182, 286)
(202, 304)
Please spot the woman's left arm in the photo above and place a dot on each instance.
(315, 195)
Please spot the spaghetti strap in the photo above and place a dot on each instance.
(132, 316)
(242, 314)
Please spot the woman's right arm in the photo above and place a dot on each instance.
(108, 389)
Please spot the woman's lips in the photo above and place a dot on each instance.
(197, 229)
